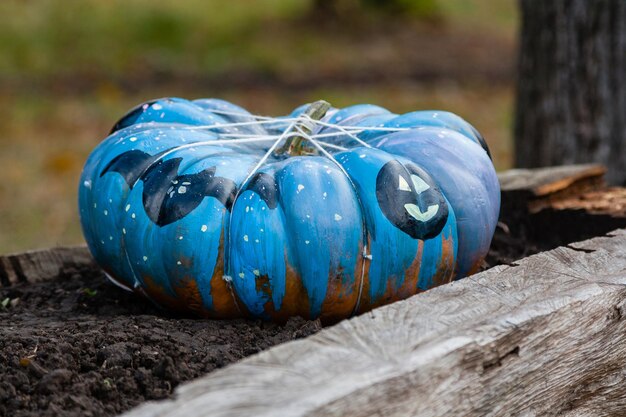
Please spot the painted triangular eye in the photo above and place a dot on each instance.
(402, 184)
(419, 184)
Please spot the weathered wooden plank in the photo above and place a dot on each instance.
(543, 181)
(608, 202)
(39, 265)
(546, 336)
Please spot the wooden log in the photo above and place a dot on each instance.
(541, 182)
(549, 207)
(571, 187)
(41, 265)
(546, 336)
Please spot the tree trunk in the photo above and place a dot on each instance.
(571, 93)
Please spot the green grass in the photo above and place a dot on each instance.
(116, 38)
(52, 37)
(46, 135)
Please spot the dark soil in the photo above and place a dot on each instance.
(80, 346)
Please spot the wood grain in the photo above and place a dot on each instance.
(546, 336)
(571, 85)
(40, 265)
(540, 182)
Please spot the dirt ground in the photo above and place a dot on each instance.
(79, 346)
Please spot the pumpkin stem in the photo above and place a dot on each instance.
(295, 146)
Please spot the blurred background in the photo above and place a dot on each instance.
(70, 68)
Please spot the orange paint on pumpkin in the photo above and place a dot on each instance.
(296, 300)
(411, 274)
(341, 295)
(476, 266)
(225, 302)
(446, 266)
(159, 295)
(189, 295)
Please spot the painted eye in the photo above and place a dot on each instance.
(410, 200)
(402, 184)
(419, 184)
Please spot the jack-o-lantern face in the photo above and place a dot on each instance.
(409, 198)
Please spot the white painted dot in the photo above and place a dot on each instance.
(87, 184)
(127, 207)
(338, 217)
(95, 205)
(325, 194)
(179, 263)
(256, 240)
(157, 106)
(241, 275)
(247, 209)
(203, 228)
(182, 189)
(307, 241)
(133, 139)
(145, 258)
(262, 230)
(180, 238)
(106, 212)
(186, 183)
(245, 237)
(110, 237)
(256, 272)
(123, 230)
(133, 215)
(300, 187)
(110, 200)
(362, 156)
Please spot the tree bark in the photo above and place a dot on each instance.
(571, 93)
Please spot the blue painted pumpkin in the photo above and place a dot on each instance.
(193, 205)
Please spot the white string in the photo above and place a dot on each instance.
(270, 151)
(267, 119)
(219, 125)
(302, 119)
(341, 129)
(239, 114)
